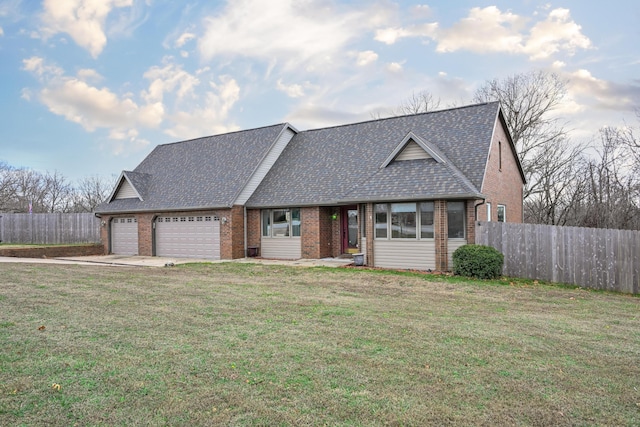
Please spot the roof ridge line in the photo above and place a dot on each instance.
(226, 133)
(405, 115)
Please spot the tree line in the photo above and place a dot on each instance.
(593, 183)
(25, 190)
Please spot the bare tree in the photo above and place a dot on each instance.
(528, 101)
(30, 191)
(612, 199)
(7, 187)
(421, 102)
(558, 187)
(58, 195)
(90, 192)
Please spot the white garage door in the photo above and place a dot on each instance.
(188, 237)
(124, 236)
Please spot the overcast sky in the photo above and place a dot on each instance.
(89, 87)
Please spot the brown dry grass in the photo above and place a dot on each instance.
(236, 344)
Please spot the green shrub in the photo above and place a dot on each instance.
(482, 262)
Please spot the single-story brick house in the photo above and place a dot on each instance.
(404, 191)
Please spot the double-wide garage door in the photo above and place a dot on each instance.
(188, 237)
(124, 236)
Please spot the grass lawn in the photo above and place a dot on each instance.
(256, 345)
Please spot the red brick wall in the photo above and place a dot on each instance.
(310, 232)
(232, 233)
(502, 185)
(326, 232)
(254, 236)
(371, 236)
(53, 251)
(317, 232)
(104, 232)
(336, 237)
(145, 234)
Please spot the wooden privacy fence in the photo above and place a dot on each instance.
(50, 228)
(587, 257)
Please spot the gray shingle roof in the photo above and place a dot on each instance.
(206, 172)
(342, 163)
(319, 167)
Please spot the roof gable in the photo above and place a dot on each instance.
(355, 162)
(127, 191)
(128, 186)
(412, 147)
(202, 173)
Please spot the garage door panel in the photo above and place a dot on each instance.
(124, 236)
(188, 237)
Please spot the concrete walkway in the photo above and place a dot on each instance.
(145, 261)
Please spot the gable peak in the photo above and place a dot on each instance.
(413, 147)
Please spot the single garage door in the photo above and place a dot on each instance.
(188, 237)
(124, 236)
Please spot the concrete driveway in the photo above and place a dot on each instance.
(145, 261)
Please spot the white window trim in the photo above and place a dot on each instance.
(489, 212)
(504, 215)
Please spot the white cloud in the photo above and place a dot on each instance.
(126, 141)
(183, 39)
(392, 35)
(87, 74)
(394, 67)
(365, 58)
(91, 107)
(292, 91)
(484, 30)
(1, 32)
(421, 10)
(210, 118)
(489, 30)
(309, 35)
(36, 65)
(168, 79)
(26, 94)
(556, 33)
(83, 20)
(586, 89)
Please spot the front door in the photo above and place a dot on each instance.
(349, 215)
